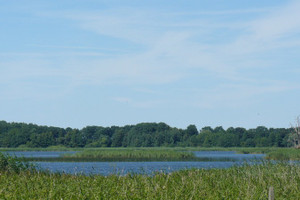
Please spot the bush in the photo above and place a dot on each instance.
(13, 164)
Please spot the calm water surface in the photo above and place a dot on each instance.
(122, 168)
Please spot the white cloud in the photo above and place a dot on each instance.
(172, 50)
(274, 31)
(279, 24)
(176, 50)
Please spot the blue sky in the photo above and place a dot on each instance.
(209, 63)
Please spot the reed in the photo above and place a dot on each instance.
(284, 154)
(135, 154)
(157, 153)
(13, 165)
(244, 182)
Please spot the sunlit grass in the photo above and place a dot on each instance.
(158, 153)
(12, 164)
(284, 154)
(133, 154)
(245, 182)
(20, 181)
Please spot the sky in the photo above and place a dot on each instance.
(74, 63)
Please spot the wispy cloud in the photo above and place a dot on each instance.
(163, 62)
(177, 50)
(172, 47)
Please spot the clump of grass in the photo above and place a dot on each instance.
(272, 153)
(242, 150)
(244, 182)
(132, 155)
(12, 164)
(284, 154)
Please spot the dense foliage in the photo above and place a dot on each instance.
(10, 164)
(140, 135)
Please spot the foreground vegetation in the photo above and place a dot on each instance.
(19, 180)
(245, 182)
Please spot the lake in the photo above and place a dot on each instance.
(122, 168)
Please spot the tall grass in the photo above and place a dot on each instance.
(272, 153)
(13, 165)
(157, 153)
(133, 155)
(284, 154)
(242, 150)
(245, 182)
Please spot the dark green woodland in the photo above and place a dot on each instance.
(140, 135)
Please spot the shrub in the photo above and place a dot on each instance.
(13, 164)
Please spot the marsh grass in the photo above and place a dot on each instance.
(272, 153)
(284, 154)
(249, 181)
(242, 150)
(13, 164)
(136, 154)
(244, 182)
(156, 153)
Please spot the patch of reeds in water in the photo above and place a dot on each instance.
(132, 155)
(284, 154)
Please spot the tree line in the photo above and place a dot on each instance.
(140, 135)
